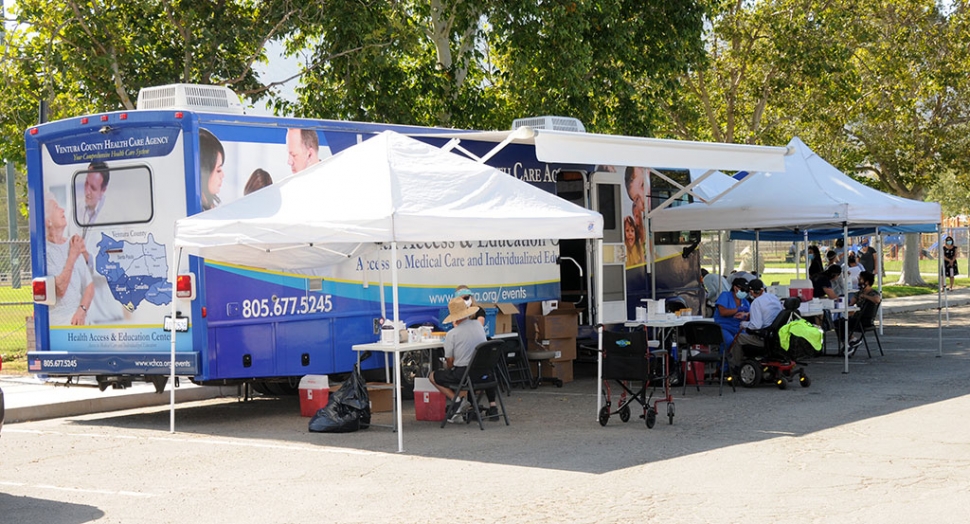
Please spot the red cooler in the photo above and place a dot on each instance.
(429, 403)
(314, 393)
(801, 288)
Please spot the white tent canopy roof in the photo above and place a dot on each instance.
(389, 188)
(810, 194)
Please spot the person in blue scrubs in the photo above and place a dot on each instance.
(732, 307)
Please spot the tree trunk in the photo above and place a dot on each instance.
(910, 275)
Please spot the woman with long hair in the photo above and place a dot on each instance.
(814, 261)
(950, 260)
(212, 156)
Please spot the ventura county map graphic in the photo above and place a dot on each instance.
(135, 271)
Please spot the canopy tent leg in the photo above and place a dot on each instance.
(845, 301)
(597, 321)
(173, 276)
(649, 249)
(939, 292)
(397, 354)
(383, 298)
(757, 253)
(805, 233)
(878, 268)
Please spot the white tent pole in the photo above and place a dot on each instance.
(380, 277)
(878, 267)
(397, 354)
(598, 297)
(173, 276)
(941, 270)
(720, 266)
(805, 233)
(845, 300)
(757, 253)
(650, 253)
(939, 291)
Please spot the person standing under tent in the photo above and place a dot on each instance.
(714, 285)
(839, 251)
(868, 258)
(950, 260)
(814, 261)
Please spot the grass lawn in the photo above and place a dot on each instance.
(889, 290)
(17, 304)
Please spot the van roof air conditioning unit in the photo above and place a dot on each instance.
(190, 97)
(555, 123)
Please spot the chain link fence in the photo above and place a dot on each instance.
(780, 252)
(16, 298)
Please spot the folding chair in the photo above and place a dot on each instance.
(481, 374)
(514, 367)
(708, 334)
(866, 323)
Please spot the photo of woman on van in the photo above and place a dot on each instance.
(212, 156)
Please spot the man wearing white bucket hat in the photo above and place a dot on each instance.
(460, 344)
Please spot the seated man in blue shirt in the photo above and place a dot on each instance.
(764, 308)
(460, 344)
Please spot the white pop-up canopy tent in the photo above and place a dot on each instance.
(292, 226)
(810, 194)
(388, 189)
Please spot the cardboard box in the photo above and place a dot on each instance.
(381, 396)
(561, 370)
(565, 348)
(429, 403)
(562, 322)
(504, 320)
(314, 394)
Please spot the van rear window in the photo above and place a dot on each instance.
(106, 196)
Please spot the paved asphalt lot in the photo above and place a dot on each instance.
(887, 442)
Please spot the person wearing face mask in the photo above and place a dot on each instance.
(466, 295)
(814, 261)
(730, 309)
(764, 308)
(950, 260)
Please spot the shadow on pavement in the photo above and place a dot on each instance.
(30, 509)
(557, 428)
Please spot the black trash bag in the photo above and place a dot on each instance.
(335, 418)
(347, 410)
